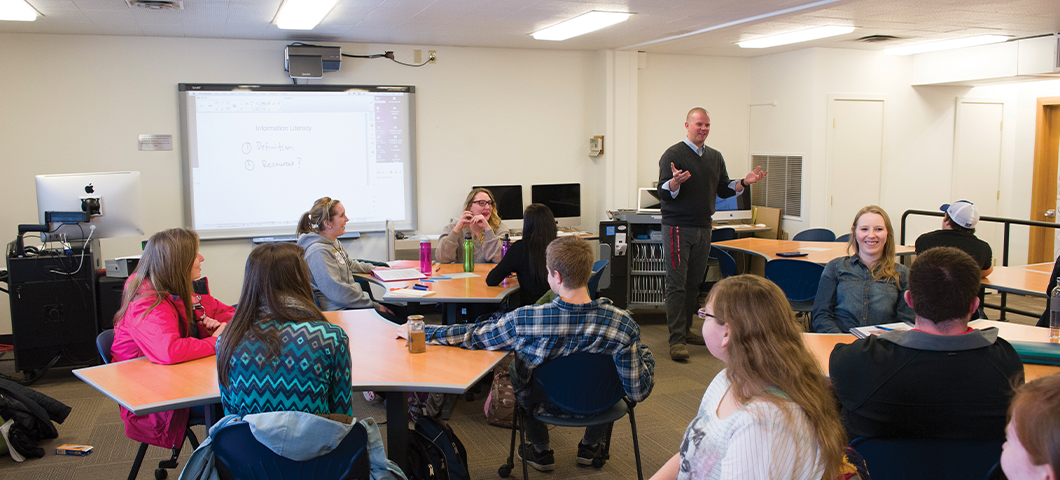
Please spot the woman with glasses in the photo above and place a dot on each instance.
(480, 219)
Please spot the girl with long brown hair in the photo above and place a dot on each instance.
(169, 317)
(866, 288)
(526, 257)
(268, 337)
(770, 412)
(480, 219)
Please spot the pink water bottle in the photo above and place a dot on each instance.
(425, 255)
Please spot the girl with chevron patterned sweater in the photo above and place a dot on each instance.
(278, 352)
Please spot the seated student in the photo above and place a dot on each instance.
(942, 379)
(526, 258)
(331, 268)
(163, 318)
(958, 231)
(866, 287)
(264, 361)
(481, 220)
(572, 323)
(1032, 449)
(770, 412)
(1043, 321)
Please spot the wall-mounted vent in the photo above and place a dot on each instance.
(156, 4)
(783, 185)
(877, 38)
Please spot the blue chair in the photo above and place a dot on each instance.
(243, 457)
(584, 384)
(725, 261)
(104, 342)
(815, 235)
(798, 279)
(722, 234)
(594, 280)
(907, 458)
(844, 238)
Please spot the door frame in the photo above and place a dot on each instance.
(1044, 180)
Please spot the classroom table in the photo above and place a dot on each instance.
(821, 344)
(1023, 280)
(817, 252)
(453, 293)
(379, 360)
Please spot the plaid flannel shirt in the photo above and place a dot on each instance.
(539, 333)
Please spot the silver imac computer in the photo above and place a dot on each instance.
(564, 199)
(734, 208)
(111, 201)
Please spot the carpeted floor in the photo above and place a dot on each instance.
(661, 421)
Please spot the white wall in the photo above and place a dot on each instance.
(484, 116)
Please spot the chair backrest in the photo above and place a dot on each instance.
(722, 234)
(581, 383)
(844, 238)
(725, 261)
(244, 457)
(815, 235)
(594, 279)
(797, 278)
(104, 341)
(928, 458)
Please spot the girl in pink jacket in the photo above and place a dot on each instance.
(165, 317)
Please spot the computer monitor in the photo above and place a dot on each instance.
(112, 199)
(737, 207)
(564, 199)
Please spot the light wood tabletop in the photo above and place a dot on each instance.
(379, 361)
(458, 290)
(817, 252)
(821, 344)
(1024, 280)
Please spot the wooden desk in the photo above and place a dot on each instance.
(454, 293)
(821, 344)
(1024, 280)
(379, 361)
(817, 252)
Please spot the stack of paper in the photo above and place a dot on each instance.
(863, 332)
(397, 274)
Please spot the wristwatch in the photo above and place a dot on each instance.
(743, 183)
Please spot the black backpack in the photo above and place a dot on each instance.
(434, 452)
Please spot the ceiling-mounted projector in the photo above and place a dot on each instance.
(302, 61)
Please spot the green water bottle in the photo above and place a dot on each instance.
(469, 253)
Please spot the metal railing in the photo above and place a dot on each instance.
(1007, 223)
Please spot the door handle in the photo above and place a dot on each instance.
(1051, 213)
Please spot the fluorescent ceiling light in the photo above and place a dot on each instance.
(302, 14)
(796, 37)
(580, 25)
(946, 45)
(17, 10)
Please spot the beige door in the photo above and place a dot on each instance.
(855, 152)
(977, 164)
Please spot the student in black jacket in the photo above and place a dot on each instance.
(526, 258)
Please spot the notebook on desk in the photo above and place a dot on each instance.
(397, 274)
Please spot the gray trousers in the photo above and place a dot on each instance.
(685, 250)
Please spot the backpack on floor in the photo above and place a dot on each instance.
(500, 405)
(434, 452)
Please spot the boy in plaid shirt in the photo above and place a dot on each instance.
(572, 323)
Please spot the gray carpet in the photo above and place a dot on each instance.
(661, 421)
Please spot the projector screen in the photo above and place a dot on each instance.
(257, 156)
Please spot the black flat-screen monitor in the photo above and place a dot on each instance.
(564, 199)
(509, 200)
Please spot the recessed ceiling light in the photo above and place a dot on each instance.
(580, 25)
(796, 37)
(17, 10)
(302, 14)
(946, 45)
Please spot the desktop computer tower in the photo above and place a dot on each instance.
(53, 308)
(614, 242)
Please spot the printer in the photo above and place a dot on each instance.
(121, 267)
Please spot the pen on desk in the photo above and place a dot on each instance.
(881, 327)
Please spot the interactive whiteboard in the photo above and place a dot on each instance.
(257, 156)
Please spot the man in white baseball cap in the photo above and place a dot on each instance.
(958, 231)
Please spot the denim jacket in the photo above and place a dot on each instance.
(848, 297)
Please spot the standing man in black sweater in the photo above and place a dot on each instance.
(691, 175)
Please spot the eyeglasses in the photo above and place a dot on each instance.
(483, 203)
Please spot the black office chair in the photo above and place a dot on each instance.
(583, 384)
(815, 235)
(104, 341)
(722, 234)
(594, 279)
(242, 457)
(844, 238)
(799, 280)
(908, 458)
